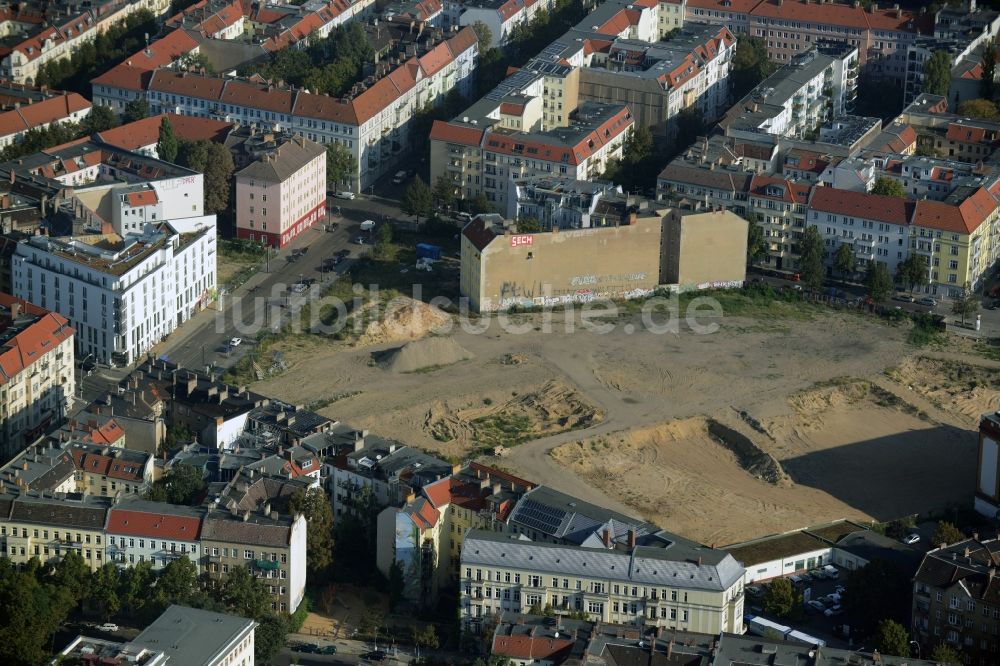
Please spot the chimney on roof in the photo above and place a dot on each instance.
(631, 539)
(967, 552)
(606, 537)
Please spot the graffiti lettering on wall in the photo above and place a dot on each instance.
(721, 284)
(581, 280)
(516, 296)
(519, 240)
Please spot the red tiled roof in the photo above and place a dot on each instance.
(511, 109)
(158, 525)
(114, 468)
(789, 192)
(444, 131)
(106, 433)
(528, 647)
(424, 516)
(162, 52)
(146, 132)
(40, 113)
(893, 210)
(838, 14)
(144, 198)
(962, 219)
(964, 133)
(34, 341)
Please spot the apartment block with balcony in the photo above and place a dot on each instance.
(50, 525)
(780, 207)
(657, 580)
(122, 295)
(271, 545)
(956, 600)
(875, 227)
(37, 376)
(153, 532)
(816, 86)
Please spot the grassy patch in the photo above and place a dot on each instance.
(989, 349)
(757, 301)
(503, 429)
(925, 333)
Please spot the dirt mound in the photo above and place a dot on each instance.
(752, 458)
(402, 319)
(964, 389)
(552, 408)
(422, 355)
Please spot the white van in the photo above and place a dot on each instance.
(399, 178)
(463, 217)
(346, 194)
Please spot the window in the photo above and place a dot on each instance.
(248, 554)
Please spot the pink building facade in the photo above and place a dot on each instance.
(282, 193)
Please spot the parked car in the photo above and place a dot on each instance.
(108, 627)
(374, 655)
(816, 606)
(928, 301)
(755, 590)
(833, 610)
(329, 649)
(343, 253)
(911, 538)
(399, 178)
(345, 195)
(839, 589)
(308, 648)
(235, 342)
(359, 241)
(903, 298)
(463, 217)
(299, 287)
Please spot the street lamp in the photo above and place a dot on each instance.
(82, 364)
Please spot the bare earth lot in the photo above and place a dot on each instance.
(852, 421)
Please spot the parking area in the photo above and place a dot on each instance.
(822, 616)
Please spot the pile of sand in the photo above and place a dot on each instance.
(403, 319)
(422, 354)
(964, 389)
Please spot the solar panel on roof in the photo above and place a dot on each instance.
(538, 516)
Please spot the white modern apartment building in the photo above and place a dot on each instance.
(667, 582)
(815, 86)
(37, 379)
(122, 296)
(373, 125)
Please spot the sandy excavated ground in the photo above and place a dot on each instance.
(845, 451)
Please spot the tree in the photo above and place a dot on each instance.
(483, 35)
(877, 592)
(844, 261)
(690, 125)
(912, 271)
(417, 199)
(750, 66)
(979, 108)
(424, 637)
(166, 147)
(986, 84)
(966, 305)
(177, 583)
(32, 611)
(893, 639)
(101, 118)
(314, 504)
(72, 573)
(397, 583)
(811, 252)
(135, 110)
(104, 590)
(528, 225)
(878, 281)
(444, 191)
(182, 484)
(779, 597)
(888, 187)
(480, 204)
(340, 165)
(269, 637)
(245, 595)
(216, 163)
(946, 533)
(133, 587)
(937, 73)
(756, 244)
(945, 655)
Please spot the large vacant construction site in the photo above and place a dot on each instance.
(776, 420)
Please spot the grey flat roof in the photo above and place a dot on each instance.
(675, 565)
(194, 637)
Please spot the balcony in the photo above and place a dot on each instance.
(267, 565)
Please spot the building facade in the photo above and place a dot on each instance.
(282, 192)
(37, 375)
(633, 585)
(125, 298)
(50, 525)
